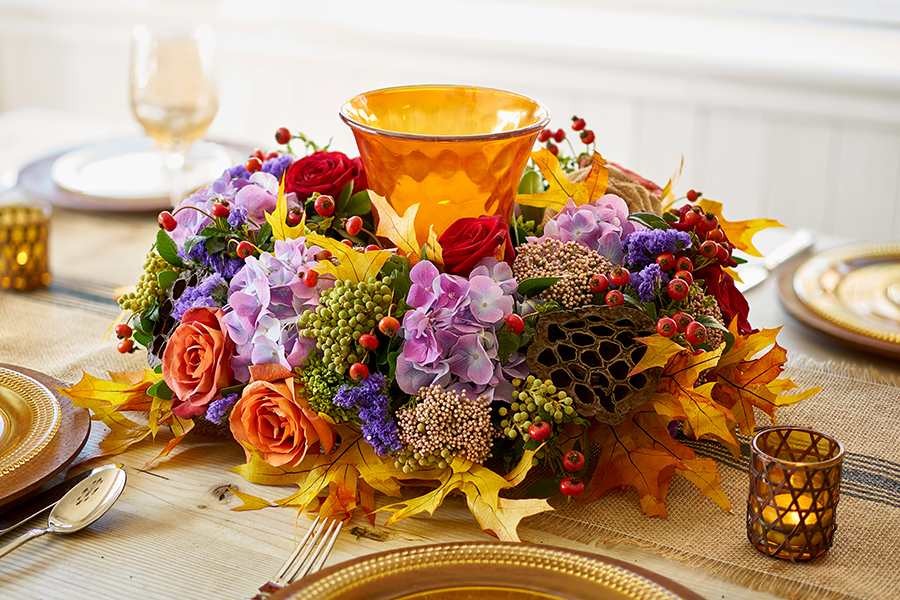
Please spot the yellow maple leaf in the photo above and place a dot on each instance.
(277, 219)
(401, 231)
(433, 249)
(355, 266)
(659, 351)
(667, 196)
(561, 189)
(739, 233)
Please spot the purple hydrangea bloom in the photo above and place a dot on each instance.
(599, 225)
(643, 246)
(198, 296)
(278, 165)
(216, 410)
(649, 281)
(372, 404)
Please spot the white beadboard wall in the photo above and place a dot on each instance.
(777, 116)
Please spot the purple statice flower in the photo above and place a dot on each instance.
(238, 172)
(643, 245)
(372, 405)
(237, 216)
(278, 165)
(216, 410)
(649, 281)
(200, 295)
(219, 262)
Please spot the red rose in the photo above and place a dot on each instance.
(470, 239)
(732, 303)
(197, 361)
(324, 172)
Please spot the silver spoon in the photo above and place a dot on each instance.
(81, 506)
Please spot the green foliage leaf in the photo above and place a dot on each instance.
(536, 285)
(345, 195)
(649, 220)
(543, 488)
(160, 390)
(358, 204)
(711, 323)
(166, 278)
(167, 249)
(144, 339)
(192, 241)
(670, 218)
(531, 182)
(507, 343)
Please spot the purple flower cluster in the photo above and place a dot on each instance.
(216, 410)
(218, 262)
(372, 404)
(649, 281)
(201, 295)
(600, 226)
(450, 335)
(644, 245)
(278, 165)
(264, 300)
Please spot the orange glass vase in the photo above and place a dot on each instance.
(456, 151)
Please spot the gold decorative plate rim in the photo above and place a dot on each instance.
(510, 566)
(46, 416)
(824, 305)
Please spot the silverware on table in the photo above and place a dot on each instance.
(308, 557)
(752, 274)
(81, 506)
(32, 507)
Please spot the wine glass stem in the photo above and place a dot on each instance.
(174, 163)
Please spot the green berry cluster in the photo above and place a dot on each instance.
(320, 384)
(147, 290)
(534, 402)
(348, 311)
(409, 460)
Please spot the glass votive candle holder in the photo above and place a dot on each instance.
(795, 478)
(24, 256)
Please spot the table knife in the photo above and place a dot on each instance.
(753, 274)
(32, 507)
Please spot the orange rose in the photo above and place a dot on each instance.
(272, 419)
(197, 361)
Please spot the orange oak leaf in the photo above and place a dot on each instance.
(739, 233)
(355, 266)
(277, 219)
(639, 453)
(561, 189)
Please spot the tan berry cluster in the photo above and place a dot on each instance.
(441, 426)
(569, 260)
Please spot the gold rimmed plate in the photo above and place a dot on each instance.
(29, 418)
(475, 570)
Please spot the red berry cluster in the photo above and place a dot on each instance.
(549, 136)
(572, 485)
(123, 332)
(618, 277)
(257, 158)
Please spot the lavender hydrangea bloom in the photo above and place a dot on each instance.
(198, 296)
(487, 302)
(642, 246)
(277, 166)
(216, 410)
(378, 428)
(497, 270)
(599, 225)
(649, 281)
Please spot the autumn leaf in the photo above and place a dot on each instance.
(278, 219)
(401, 231)
(250, 502)
(667, 197)
(355, 266)
(561, 189)
(739, 233)
(433, 249)
(659, 351)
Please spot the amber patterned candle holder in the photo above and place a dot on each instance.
(456, 151)
(24, 258)
(795, 478)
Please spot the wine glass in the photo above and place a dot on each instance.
(173, 91)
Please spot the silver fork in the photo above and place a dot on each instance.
(308, 557)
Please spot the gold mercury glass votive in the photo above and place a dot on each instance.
(795, 478)
(24, 257)
(457, 151)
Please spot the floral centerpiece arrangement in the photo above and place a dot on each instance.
(290, 307)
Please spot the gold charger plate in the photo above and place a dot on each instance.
(476, 570)
(29, 418)
(855, 290)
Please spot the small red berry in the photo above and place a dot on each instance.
(359, 371)
(708, 222)
(677, 289)
(123, 330)
(544, 135)
(716, 235)
(244, 249)
(347, 243)
(573, 460)
(559, 136)
(515, 323)
(693, 216)
(167, 221)
(682, 320)
(615, 298)
(389, 326)
(125, 346)
(599, 283)
(323, 255)
(354, 225)
(253, 164)
(578, 123)
(722, 254)
(310, 278)
(539, 431)
(708, 249)
(686, 275)
(666, 261)
(283, 135)
(587, 136)
(372, 247)
(295, 216)
(571, 486)
(553, 148)
(666, 327)
(270, 155)
(619, 276)
(325, 206)
(220, 210)
(695, 333)
(693, 195)
(683, 263)
(368, 341)
(258, 153)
